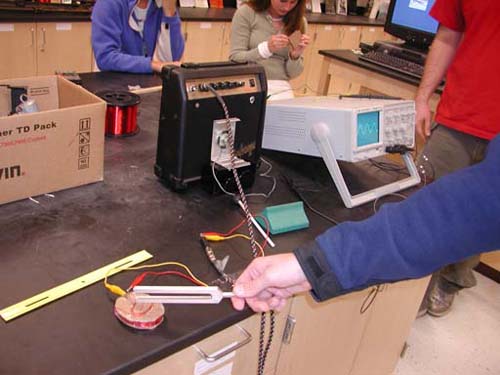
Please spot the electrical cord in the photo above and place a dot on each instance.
(387, 195)
(388, 167)
(263, 348)
(293, 187)
(264, 174)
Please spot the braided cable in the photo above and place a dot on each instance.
(263, 349)
(234, 171)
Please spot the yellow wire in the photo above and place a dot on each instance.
(115, 289)
(236, 235)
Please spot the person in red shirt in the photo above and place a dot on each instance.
(467, 50)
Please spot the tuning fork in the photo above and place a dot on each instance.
(180, 294)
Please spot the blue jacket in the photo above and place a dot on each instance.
(453, 218)
(118, 47)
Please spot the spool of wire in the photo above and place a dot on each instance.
(121, 112)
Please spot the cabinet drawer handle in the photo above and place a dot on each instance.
(218, 355)
(42, 48)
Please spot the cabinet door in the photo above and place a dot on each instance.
(326, 335)
(242, 361)
(226, 41)
(370, 34)
(329, 37)
(63, 47)
(392, 313)
(204, 41)
(350, 37)
(17, 43)
(300, 84)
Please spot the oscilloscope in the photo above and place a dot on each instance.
(346, 129)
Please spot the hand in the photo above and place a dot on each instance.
(297, 51)
(169, 7)
(268, 281)
(158, 65)
(277, 42)
(422, 118)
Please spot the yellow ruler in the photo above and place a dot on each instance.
(72, 286)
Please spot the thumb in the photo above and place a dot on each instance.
(250, 289)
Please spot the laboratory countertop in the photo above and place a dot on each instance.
(352, 58)
(9, 12)
(59, 238)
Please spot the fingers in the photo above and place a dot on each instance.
(277, 42)
(301, 46)
(258, 305)
(423, 126)
(304, 40)
(268, 282)
(427, 127)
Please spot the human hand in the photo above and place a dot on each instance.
(169, 7)
(157, 65)
(301, 46)
(422, 118)
(268, 281)
(277, 42)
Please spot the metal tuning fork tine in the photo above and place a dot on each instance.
(180, 294)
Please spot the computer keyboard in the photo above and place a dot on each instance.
(394, 63)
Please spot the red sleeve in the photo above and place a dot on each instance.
(449, 13)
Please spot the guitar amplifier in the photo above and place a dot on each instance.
(193, 139)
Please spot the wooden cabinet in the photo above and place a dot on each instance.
(324, 37)
(226, 42)
(370, 34)
(336, 337)
(357, 334)
(18, 46)
(42, 48)
(325, 336)
(204, 41)
(392, 313)
(240, 344)
(64, 47)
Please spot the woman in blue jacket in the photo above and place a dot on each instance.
(136, 36)
(453, 218)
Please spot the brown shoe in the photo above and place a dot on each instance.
(439, 301)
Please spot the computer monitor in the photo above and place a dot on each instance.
(410, 20)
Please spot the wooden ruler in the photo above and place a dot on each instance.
(72, 286)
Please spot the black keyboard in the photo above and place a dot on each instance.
(395, 63)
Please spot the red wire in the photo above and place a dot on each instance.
(234, 229)
(141, 277)
(228, 233)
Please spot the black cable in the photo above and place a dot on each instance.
(388, 167)
(306, 202)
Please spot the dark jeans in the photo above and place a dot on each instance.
(446, 151)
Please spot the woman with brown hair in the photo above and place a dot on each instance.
(265, 31)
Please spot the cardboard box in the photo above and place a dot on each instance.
(59, 147)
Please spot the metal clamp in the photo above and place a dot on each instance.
(219, 354)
